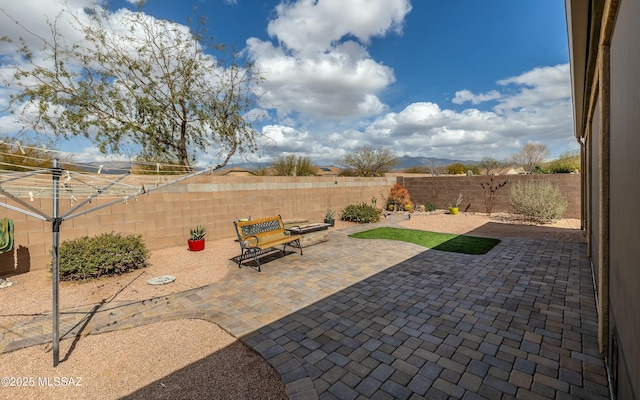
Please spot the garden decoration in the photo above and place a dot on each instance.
(453, 206)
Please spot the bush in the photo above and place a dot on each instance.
(104, 255)
(539, 202)
(561, 169)
(360, 213)
(398, 197)
(429, 206)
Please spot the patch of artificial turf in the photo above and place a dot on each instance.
(433, 240)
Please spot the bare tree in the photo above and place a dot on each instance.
(490, 164)
(434, 168)
(367, 161)
(138, 80)
(531, 155)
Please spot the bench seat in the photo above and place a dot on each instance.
(262, 235)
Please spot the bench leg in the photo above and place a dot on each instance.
(246, 254)
(294, 244)
(255, 257)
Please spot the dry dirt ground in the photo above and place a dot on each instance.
(119, 364)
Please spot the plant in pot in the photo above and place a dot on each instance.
(196, 239)
(453, 206)
(328, 217)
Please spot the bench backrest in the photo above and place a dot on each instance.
(259, 227)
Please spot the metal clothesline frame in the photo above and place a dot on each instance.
(57, 220)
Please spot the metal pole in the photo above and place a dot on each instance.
(54, 262)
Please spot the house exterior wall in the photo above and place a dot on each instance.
(624, 267)
(604, 38)
(594, 184)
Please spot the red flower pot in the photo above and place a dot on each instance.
(196, 245)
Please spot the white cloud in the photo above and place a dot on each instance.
(309, 27)
(544, 85)
(534, 106)
(315, 69)
(462, 96)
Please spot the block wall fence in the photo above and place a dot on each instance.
(441, 190)
(164, 217)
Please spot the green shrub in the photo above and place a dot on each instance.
(561, 169)
(360, 213)
(104, 255)
(429, 206)
(539, 202)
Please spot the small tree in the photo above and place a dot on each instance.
(398, 197)
(531, 156)
(490, 191)
(490, 164)
(568, 161)
(456, 169)
(137, 80)
(367, 161)
(291, 165)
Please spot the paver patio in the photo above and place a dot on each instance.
(379, 319)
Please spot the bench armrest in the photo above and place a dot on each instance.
(250, 242)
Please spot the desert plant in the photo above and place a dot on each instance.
(429, 206)
(539, 202)
(490, 191)
(103, 255)
(198, 232)
(329, 214)
(456, 202)
(398, 197)
(361, 213)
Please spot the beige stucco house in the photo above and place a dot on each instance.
(604, 44)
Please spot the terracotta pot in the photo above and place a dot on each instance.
(196, 245)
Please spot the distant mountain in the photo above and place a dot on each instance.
(122, 167)
(106, 167)
(249, 165)
(405, 162)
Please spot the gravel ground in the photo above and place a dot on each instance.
(179, 359)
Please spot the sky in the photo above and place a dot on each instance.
(457, 79)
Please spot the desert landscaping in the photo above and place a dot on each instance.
(133, 362)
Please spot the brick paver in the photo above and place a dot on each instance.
(362, 319)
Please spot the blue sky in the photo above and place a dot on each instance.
(459, 79)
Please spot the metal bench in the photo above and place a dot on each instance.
(262, 235)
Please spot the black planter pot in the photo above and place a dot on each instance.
(329, 221)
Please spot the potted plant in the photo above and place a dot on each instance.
(328, 217)
(196, 240)
(453, 206)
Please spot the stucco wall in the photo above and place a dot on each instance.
(624, 224)
(593, 142)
